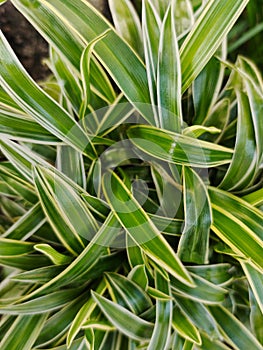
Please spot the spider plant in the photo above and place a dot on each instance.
(131, 181)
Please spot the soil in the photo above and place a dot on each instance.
(26, 42)
(28, 45)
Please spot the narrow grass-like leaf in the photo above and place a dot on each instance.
(218, 117)
(254, 86)
(25, 262)
(57, 325)
(242, 231)
(234, 330)
(205, 291)
(43, 275)
(255, 317)
(70, 162)
(125, 321)
(19, 127)
(68, 82)
(169, 76)
(39, 275)
(199, 316)
(84, 314)
(81, 20)
(255, 198)
(56, 198)
(41, 107)
(79, 344)
(56, 257)
(206, 89)
(164, 312)
(10, 247)
(85, 66)
(214, 273)
(209, 343)
(84, 262)
(161, 6)
(133, 296)
(127, 23)
(151, 24)
(184, 17)
(214, 23)
(26, 225)
(138, 275)
(26, 330)
(178, 149)
(199, 130)
(134, 252)
(255, 279)
(194, 243)
(140, 228)
(183, 325)
(243, 166)
(44, 304)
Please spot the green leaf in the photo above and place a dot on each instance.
(204, 291)
(132, 295)
(67, 80)
(194, 243)
(85, 67)
(60, 202)
(199, 316)
(139, 276)
(161, 6)
(38, 104)
(85, 260)
(198, 130)
(58, 324)
(151, 24)
(39, 275)
(242, 169)
(234, 330)
(56, 257)
(169, 76)
(127, 23)
(178, 149)
(214, 23)
(140, 228)
(209, 343)
(21, 127)
(70, 162)
(255, 317)
(27, 224)
(11, 247)
(83, 314)
(125, 321)
(42, 304)
(254, 86)
(25, 262)
(183, 325)
(255, 198)
(255, 279)
(80, 20)
(214, 273)
(26, 330)
(79, 344)
(184, 17)
(206, 88)
(164, 312)
(239, 225)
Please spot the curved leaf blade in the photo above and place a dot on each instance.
(178, 149)
(140, 228)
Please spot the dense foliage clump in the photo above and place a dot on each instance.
(131, 179)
